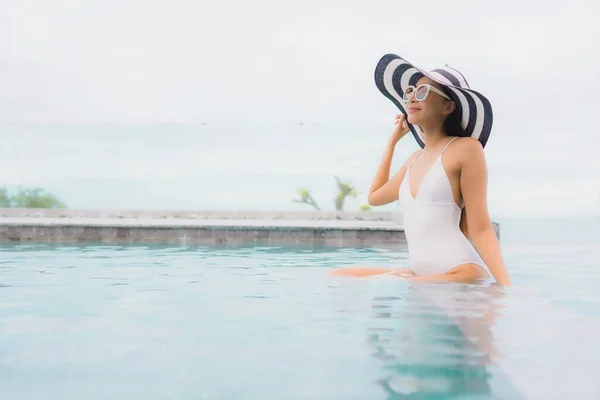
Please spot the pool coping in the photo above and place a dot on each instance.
(225, 228)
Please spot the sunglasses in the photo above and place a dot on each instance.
(422, 91)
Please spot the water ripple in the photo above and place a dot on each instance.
(93, 315)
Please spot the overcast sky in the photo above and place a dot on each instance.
(194, 61)
(190, 60)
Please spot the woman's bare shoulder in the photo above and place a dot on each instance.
(468, 150)
(469, 144)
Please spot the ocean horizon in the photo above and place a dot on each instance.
(260, 166)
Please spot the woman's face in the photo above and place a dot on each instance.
(433, 110)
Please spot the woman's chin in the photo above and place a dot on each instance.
(413, 120)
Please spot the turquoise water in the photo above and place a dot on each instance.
(171, 322)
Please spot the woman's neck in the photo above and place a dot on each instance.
(433, 137)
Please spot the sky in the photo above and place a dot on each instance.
(132, 61)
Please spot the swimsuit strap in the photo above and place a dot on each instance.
(451, 140)
(414, 159)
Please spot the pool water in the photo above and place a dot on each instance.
(168, 322)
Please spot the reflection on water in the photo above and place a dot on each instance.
(437, 341)
(162, 322)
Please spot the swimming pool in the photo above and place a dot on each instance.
(193, 322)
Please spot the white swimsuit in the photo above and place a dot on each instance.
(431, 224)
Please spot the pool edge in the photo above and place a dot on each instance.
(341, 229)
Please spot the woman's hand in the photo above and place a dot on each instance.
(405, 273)
(401, 128)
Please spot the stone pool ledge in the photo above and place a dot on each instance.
(342, 229)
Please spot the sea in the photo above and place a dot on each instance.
(261, 166)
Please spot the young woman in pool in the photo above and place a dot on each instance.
(442, 188)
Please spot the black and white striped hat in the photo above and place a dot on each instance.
(393, 74)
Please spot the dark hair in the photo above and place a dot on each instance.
(453, 123)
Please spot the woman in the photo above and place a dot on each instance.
(442, 187)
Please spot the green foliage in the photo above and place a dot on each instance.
(4, 198)
(345, 189)
(306, 198)
(29, 198)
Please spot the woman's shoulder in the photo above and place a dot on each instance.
(468, 143)
(468, 150)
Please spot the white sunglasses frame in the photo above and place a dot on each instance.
(429, 88)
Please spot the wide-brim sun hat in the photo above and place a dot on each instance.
(393, 74)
